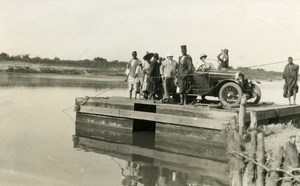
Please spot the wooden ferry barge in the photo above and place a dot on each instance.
(97, 117)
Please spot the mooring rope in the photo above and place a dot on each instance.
(273, 63)
(265, 64)
(82, 102)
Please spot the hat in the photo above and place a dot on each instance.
(203, 56)
(169, 54)
(183, 46)
(293, 136)
(148, 56)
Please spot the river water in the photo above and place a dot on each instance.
(38, 123)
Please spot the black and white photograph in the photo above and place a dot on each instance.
(149, 93)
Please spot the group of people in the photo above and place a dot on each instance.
(144, 78)
(134, 173)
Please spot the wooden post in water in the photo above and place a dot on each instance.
(272, 180)
(291, 158)
(260, 181)
(236, 163)
(242, 113)
(253, 118)
(233, 124)
(249, 174)
(292, 152)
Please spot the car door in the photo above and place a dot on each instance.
(200, 83)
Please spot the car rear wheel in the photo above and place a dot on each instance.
(256, 95)
(230, 94)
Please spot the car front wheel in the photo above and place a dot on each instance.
(230, 94)
(256, 95)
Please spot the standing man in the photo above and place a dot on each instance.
(223, 58)
(153, 79)
(184, 80)
(290, 75)
(168, 72)
(146, 66)
(131, 68)
(139, 79)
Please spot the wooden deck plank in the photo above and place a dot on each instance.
(105, 121)
(108, 134)
(276, 111)
(163, 118)
(188, 115)
(182, 110)
(191, 134)
(199, 148)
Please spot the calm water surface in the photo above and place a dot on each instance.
(36, 137)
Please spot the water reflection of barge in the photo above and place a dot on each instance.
(150, 164)
(166, 140)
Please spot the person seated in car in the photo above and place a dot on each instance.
(205, 65)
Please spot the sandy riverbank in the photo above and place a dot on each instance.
(279, 134)
(25, 67)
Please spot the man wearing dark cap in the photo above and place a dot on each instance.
(184, 79)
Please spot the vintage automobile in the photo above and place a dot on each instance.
(227, 85)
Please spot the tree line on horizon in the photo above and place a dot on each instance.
(97, 62)
(103, 65)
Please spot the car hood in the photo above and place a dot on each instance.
(226, 74)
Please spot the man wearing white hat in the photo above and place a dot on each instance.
(168, 72)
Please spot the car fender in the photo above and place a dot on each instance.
(218, 86)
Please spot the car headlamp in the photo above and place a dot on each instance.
(239, 76)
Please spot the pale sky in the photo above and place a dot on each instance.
(255, 32)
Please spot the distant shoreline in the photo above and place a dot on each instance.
(109, 71)
(25, 67)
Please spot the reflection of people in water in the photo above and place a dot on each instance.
(130, 174)
(167, 177)
(149, 175)
(164, 178)
(135, 174)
